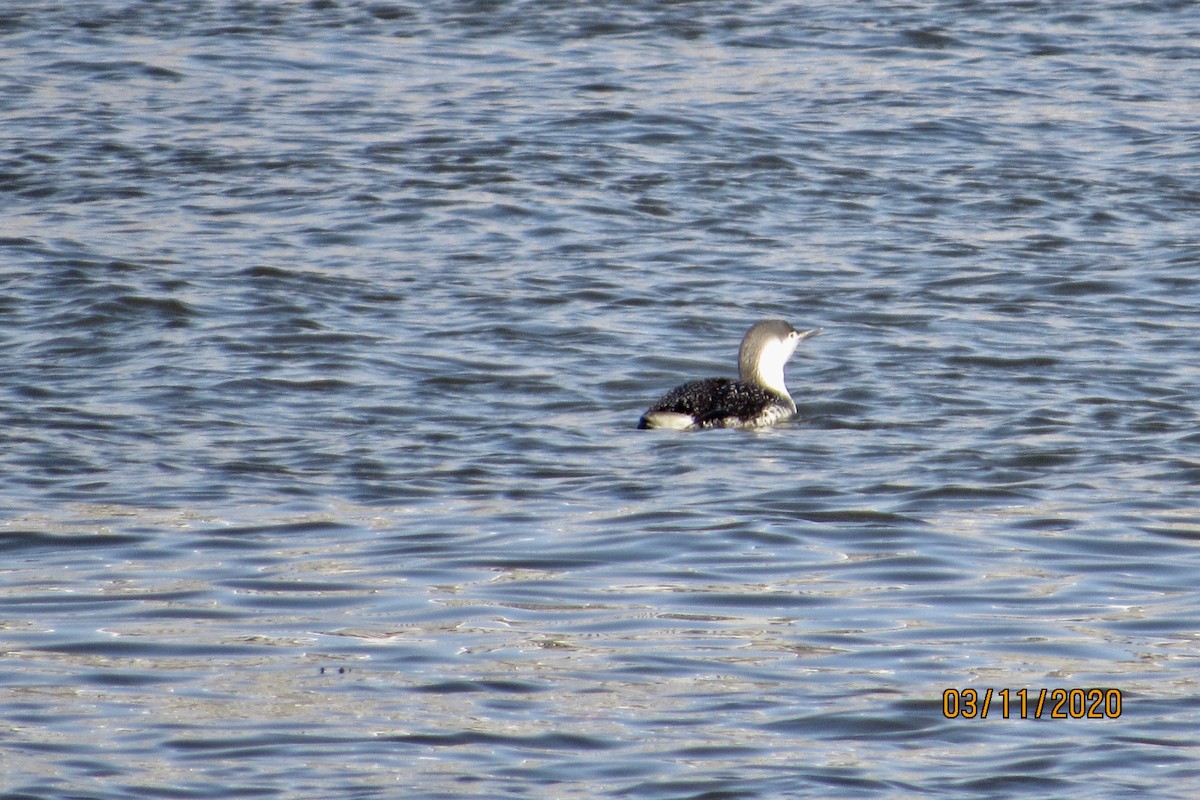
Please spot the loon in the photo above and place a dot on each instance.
(758, 398)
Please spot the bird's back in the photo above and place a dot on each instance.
(716, 403)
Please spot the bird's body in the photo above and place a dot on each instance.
(758, 398)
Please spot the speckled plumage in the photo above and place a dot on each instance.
(759, 397)
(722, 403)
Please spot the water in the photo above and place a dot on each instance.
(326, 327)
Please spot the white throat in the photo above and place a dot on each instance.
(767, 369)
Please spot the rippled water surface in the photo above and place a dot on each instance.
(326, 325)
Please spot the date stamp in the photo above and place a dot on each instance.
(1031, 703)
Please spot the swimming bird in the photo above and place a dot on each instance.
(759, 397)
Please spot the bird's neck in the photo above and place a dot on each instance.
(765, 372)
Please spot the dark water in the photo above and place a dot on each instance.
(325, 326)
